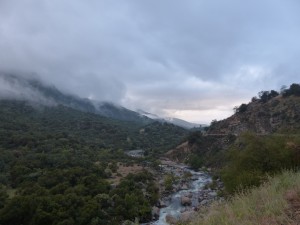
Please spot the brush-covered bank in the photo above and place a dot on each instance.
(275, 202)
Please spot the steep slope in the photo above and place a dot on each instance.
(279, 114)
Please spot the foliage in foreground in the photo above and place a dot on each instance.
(276, 202)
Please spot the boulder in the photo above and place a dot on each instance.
(185, 201)
(162, 204)
(155, 213)
(213, 194)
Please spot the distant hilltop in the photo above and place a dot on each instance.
(270, 112)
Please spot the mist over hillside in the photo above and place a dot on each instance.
(32, 90)
(37, 92)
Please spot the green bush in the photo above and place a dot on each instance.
(252, 157)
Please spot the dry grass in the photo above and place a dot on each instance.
(277, 202)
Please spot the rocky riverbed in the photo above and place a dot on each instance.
(189, 192)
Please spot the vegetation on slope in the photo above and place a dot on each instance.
(55, 164)
(46, 128)
(270, 112)
(253, 157)
(276, 202)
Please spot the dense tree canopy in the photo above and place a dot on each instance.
(55, 163)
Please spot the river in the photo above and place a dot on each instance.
(193, 191)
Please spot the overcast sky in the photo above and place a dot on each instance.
(192, 59)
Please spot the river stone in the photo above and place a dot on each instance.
(213, 194)
(171, 219)
(185, 201)
(155, 212)
(162, 204)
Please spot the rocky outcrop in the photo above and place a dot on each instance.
(260, 117)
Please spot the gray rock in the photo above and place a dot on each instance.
(213, 194)
(162, 204)
(185, 201)
(155, 212)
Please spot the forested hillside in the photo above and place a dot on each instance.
(55, 163)
(42, 127)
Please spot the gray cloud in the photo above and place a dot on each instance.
(163, 56)
(11, 88)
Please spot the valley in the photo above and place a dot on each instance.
(66, 164)
(149, 112)
(185, 196)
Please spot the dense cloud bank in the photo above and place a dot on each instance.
(192, 59)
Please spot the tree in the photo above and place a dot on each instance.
(213, 122)
(267, 95)
(240, 109)
(169, 180)
(293, 90)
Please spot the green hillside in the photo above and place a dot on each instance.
(55, 163)
(43, 128)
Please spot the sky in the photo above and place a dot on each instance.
(192, 59)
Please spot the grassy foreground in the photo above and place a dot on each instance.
(276, 202)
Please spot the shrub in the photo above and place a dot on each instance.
(255, 156)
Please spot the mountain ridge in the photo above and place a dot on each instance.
(33, 90)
